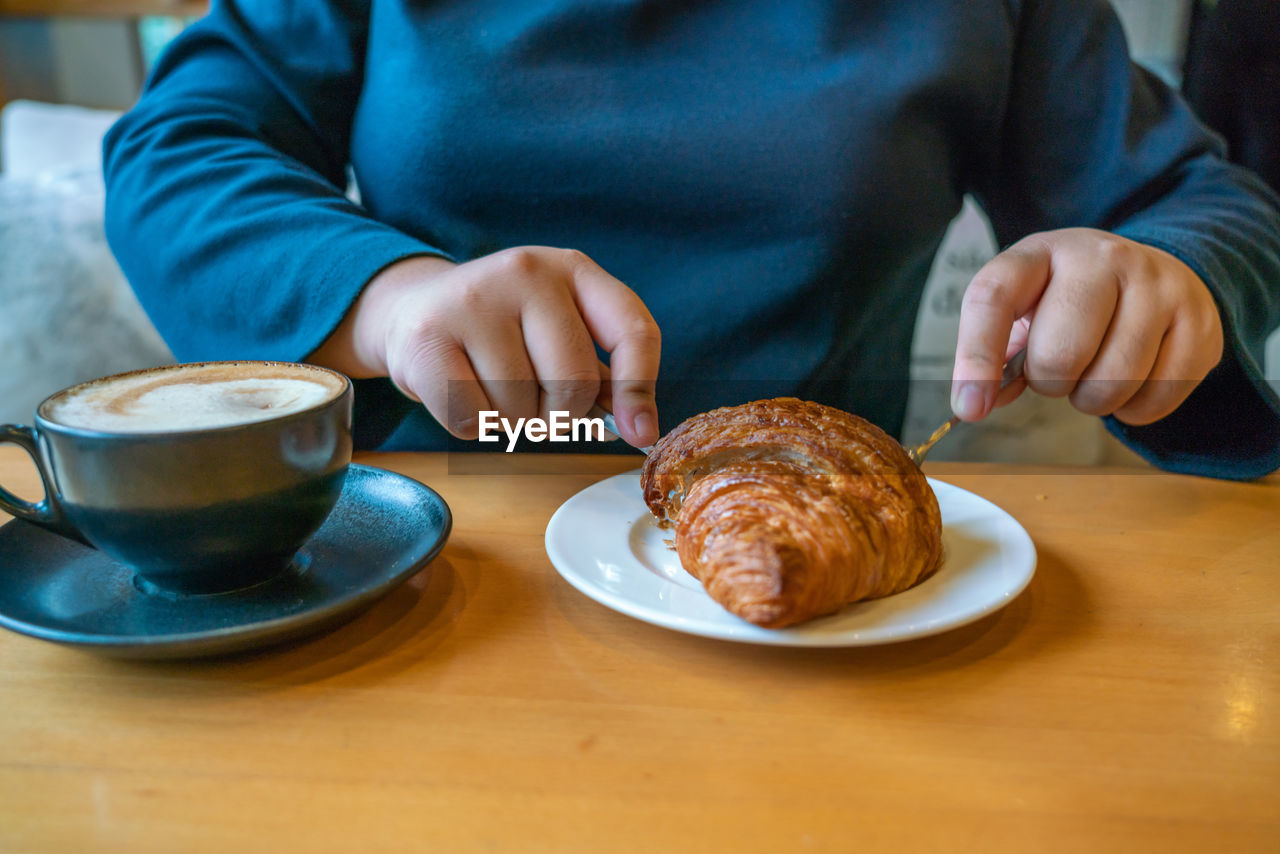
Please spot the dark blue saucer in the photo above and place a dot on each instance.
(384, 529)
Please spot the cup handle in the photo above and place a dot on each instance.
(46, 513)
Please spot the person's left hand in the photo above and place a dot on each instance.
(1120, 327)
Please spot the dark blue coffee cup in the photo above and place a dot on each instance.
(201, 509)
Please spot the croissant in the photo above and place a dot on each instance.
(786, 510)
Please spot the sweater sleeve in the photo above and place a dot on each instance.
(1090, 139)
(225, 183)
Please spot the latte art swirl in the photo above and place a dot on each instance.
(193, 397)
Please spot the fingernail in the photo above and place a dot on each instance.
(969, 402)
(645, 428)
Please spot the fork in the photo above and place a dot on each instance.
(598, 411)
(1012, 370)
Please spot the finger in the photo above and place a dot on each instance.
(442, 379)
(1010, 392)
(604, 399)
(1017, 342)
(1018, 335)
(498, 356)
(1006, 288)
(618, 320)
(562, 355)
(1071, 320)
(1186, 356)
(1125, 358)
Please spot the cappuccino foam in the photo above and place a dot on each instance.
(192, 397)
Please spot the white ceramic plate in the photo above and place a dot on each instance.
(606, 544)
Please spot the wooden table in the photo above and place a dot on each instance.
(1129, 700)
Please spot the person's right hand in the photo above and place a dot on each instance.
(514, 332)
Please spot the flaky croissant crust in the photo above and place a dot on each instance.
(787, 510)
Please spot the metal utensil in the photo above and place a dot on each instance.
(598, 411)
(1012, 370)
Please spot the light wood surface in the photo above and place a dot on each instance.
(1129, 700)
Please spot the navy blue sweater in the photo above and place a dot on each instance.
(771, 176)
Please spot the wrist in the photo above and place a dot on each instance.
(357, 346)
(376, 309)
